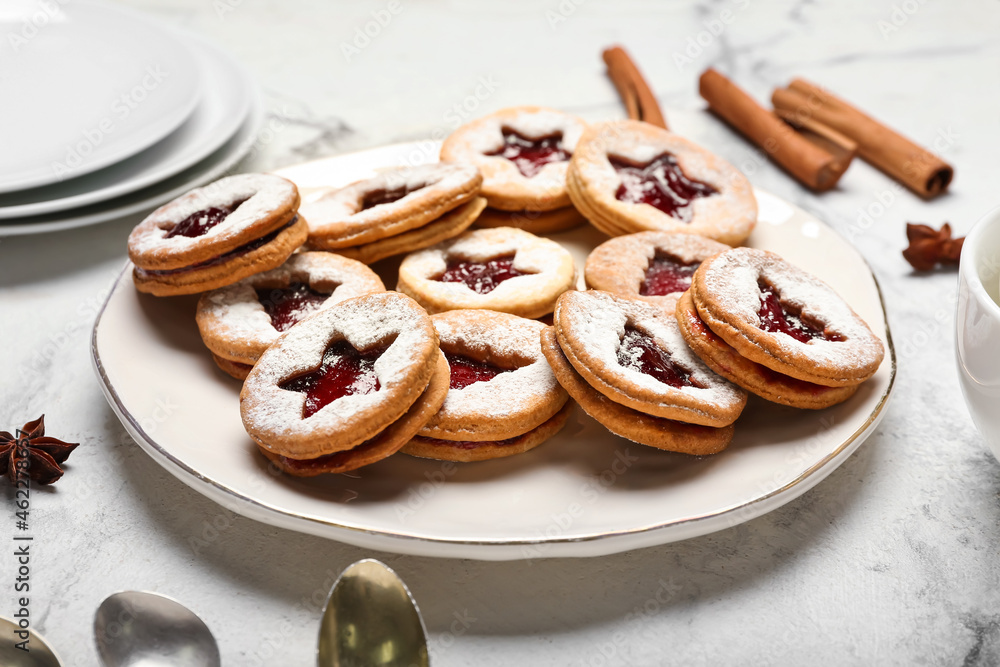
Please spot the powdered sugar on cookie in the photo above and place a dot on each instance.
(733, 278)
(598, 320)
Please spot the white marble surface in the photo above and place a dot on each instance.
(892, 560)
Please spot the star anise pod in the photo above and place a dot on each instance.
(930, 247)
(43, 454)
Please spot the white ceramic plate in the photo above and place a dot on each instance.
(85, 86)
(224, 106)
(148, 198)
(584, 493)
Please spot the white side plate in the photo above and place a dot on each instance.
(584, 493)
(84, 86)
(224, 106)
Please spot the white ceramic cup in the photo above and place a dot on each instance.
(977, 326)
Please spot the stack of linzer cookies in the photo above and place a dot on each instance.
(487, 342)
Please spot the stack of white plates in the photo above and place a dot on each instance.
(107, 114)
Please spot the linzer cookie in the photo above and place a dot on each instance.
(399, 210)
(631, 424)
(654, 266)
(755, 378)
(346, 387)
(504, 269)
(217, 235)
(503, 398)
(628, 176)
(777, 315)
(523, 153)
(633, 353)
(238, 322)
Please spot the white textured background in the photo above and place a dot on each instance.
(891, 560)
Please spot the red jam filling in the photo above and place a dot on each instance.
(666, 275)
(379, 197)
(199, 223)
(640, 352)
(530, 155)
(661, 184)
(289, 305)
(481, 277)
(344, 371)
(775, 318)
(466, 371)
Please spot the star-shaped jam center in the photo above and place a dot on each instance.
(481, 277)
(661, 184)
(776, 317)
(667, 274)
(198, 223)
(531, 155)
(640, 352)
(466, 371)
(286, 306)
(344, 371)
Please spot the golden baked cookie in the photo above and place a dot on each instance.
(217, 235)
(238, 322)
(629, 176)
(634, 354)
(501, 387)
(339, 380)
(755, 378)
(449, 225)
(666, 434)
(523, 154)
(502, 269)
(536, 222)
(397, 200)
(780, 316)
(654, 266)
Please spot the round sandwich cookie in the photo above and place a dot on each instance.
(238, 322)
(633, 353)
(778, 315)
(217, 235)
(536, 222)
(523, 153)
(397, 201)
(755, 378)
(666, 434)
(654, 266)
(503, 269)
(503, 398)
(347, 386)
(628, 176)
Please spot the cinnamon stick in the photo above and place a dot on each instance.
(640, 103)
(915, 167)
(816, 162)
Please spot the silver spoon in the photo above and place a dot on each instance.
(139, 629)
(39, 653)
(370, 620)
